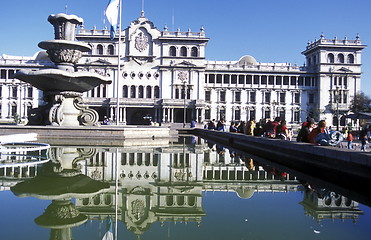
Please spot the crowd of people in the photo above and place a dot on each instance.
(309, 132)
(266, 128)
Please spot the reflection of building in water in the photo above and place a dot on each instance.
(18, 165)
(323, 204)
(165, 184)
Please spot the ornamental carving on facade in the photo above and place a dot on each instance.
(137, 209)
(96, 174)
(183, 76)
(141, 42)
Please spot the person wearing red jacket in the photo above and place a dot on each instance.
(350, 140)
(315, 131)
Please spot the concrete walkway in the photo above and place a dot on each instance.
(339, 161)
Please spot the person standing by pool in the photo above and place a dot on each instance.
(364, 139)
(350, 140)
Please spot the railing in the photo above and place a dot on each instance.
(183, 34)
(334, 42)
(260, 67)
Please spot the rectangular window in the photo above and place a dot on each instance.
(1, 91)
(267, 97)
(207, 96)
(282, 115)
(3, 74)
(212, 78)
(252, 114)
(11, 74)
(256, 79)
(14, 91)
(278, 80)
(29, 92)
(98, 91)
(222, 96)
(237, 114)
(241, 79)
(252, 97)
(264, 80)
(311, 98)
(340, 81)
(234, 79)
(282, 97)
(218, 78)
(104, 90)
(285, 80)
(222, 114)
(293, 81)
(248, 79)
(226, 79)
(271, 80)
(267, 113)
(237, 97)
(14, 110)
(296, 116)
(297, 98)
(301, 81)
(345, 97)
(207, 114)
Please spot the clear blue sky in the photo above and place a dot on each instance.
(269, 30)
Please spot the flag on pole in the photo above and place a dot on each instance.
(112, 13)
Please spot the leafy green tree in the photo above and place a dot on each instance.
(360, 103)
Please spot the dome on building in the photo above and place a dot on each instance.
(41, 56)
(245, 193)
(247, 60)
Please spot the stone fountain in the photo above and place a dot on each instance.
(63, 86)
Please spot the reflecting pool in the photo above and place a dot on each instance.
(185, 189)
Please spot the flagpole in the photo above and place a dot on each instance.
(118, 68)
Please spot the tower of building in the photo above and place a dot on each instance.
(336, 68)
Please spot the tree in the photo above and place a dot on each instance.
(360, 103)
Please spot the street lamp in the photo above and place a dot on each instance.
(184, 103)
(274, 104)
(337, 98)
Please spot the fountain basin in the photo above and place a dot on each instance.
(60, 80)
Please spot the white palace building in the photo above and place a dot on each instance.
(164, 75)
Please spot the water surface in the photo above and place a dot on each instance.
(181, 190)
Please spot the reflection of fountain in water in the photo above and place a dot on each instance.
(61, 180)
(63, 86)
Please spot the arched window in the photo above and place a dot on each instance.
(330, 58)
(340, 58)
(140, 92)
(183, 51)
(100, 49)
(149, 92)
(172, 51)
(111, 50)
(157, 92)
(350, 58)
(132, 92)
(194, 52)
(125, 91)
